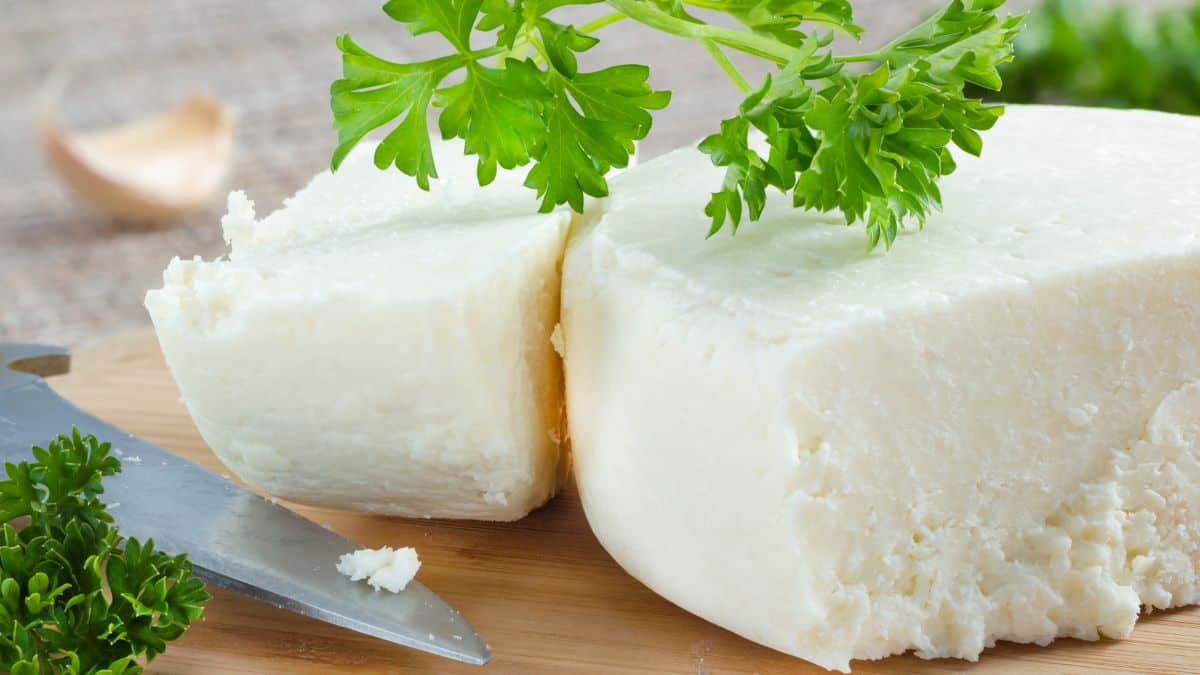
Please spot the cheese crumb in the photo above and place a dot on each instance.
(556, 340)
(239, 224)
(386, 568)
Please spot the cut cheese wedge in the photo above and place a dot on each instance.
(376, 347)
(990, 433)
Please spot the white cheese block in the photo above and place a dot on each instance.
(990, 433)
(387, 568)
(372, 346)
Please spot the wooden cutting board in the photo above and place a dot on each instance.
(542, 591)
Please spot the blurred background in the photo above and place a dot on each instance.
(70, 274)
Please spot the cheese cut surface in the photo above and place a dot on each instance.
(375, 347)
(990, 433)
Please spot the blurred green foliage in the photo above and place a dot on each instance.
(1125, 56)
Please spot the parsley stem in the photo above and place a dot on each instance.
(764, 48)
(745, 41)
(597, 24)
(541, 51)
(870, 57)
(484, 53)
(727, 65)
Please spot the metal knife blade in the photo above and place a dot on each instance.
(233, 537)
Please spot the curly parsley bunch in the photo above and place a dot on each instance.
(75, 597)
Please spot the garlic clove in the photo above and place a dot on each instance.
(149, 170)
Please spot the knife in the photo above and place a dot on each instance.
(233, 537)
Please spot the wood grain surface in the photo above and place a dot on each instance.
(542, 592)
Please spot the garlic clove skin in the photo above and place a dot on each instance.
(150, 170)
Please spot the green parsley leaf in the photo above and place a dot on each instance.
(374, 92)
(496, 111)
(505, 18)
(592, 121)
(573, 126)
(454, 19)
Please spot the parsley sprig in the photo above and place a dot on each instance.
(864, 134)
(74, 596)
